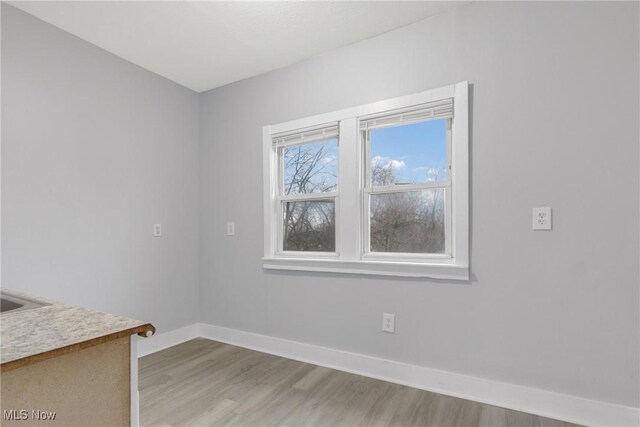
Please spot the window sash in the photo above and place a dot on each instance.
(365, 140)
(303, 197)
(369, 189)
(367, 253)
(302, 136)
(279, 151)
(386, 189)
(306, 254)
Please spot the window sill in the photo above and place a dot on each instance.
(376, 268)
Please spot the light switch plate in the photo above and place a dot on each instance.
(542, 218)
(231, 229)
(157, 230)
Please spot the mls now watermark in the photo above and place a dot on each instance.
(23, 415)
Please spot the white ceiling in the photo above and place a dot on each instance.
(206, 44)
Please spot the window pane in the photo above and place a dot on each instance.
(310, 167)
(309, 226)
(411, 153)
(411, 222)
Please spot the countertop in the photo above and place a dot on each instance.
(38, 334)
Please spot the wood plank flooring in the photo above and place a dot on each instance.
(207, 383)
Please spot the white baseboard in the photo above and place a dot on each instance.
(167, 339)
(531, 400)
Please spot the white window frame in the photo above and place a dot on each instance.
(303, 197)
(352, 255)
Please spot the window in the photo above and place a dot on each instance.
(377, 189)
(407, 182)
(307, 190)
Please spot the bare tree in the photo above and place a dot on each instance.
(407, 221)
(381, 173)
(411, 221)
(306, 169)
(309, 225)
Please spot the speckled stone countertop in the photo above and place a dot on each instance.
(29, 336)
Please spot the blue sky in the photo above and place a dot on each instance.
(413, 149)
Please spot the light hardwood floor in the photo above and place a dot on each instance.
(207, 383)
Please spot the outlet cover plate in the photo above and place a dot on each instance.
(388, 322)
(542, 218)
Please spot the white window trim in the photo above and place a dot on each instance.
(349, 256)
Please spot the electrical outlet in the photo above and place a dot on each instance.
(389, 322)
(157, 230)
(231, 229)
(542, 218)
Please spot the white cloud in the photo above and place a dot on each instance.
(328, 159)
(387, 162)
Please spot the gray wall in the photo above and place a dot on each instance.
(555, 120)
(94, 151)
